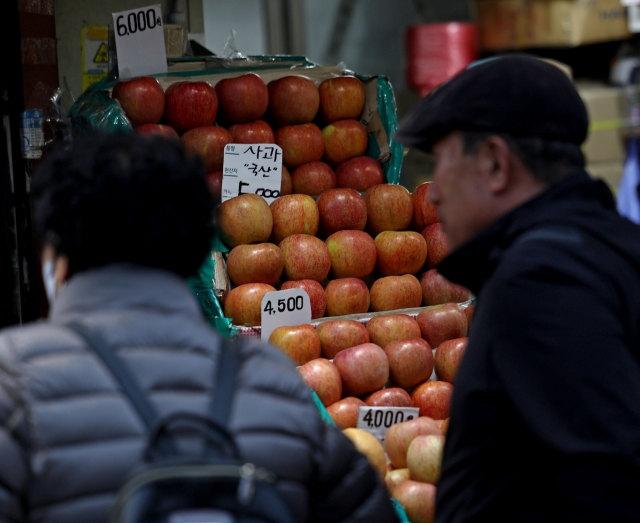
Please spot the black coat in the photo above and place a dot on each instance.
(545, 417)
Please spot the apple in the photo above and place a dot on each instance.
(323, 378)
(433, 398)
(442, 323)
(418, 500)
(346, 296)
(305, 258)
(243, 304)
(315, 292)
(257, 263)
(395, 292)
(394, 478)
(468, 312)
(294, 214)
(293, 100)
(258, 131)
(244, 219)
(447, 358)
(189, 105)
(371, 447)
(424, 458)
(400, 252)
(436, 289)
(337, 335)
(141, 98)
(286, 187)
(341, 98)
(389, 208)
(341, 209)
(359, 173)
(410, 362)
(391, 397)
(312, 178)
(353, 254)
(208, 142)
(242, 99)
(437, 249)
(166, 131)
(444, 425)
(400, 435)
(343, 140)
(299, 342)
(364, 368)
(345, 412)
(393, 327)
(424, 212)
(215, 185)
(300, 144)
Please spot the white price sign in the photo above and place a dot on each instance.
(377, 420)
(140, 41)
(252, 169)
(284, 308)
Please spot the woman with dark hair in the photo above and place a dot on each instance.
(124, 220)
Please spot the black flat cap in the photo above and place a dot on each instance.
(519, 95)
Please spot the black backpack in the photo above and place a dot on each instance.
(218, 487)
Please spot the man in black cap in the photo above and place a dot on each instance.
(545, 418)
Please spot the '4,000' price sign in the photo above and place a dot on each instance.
(377, 420)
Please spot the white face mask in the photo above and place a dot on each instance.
(49, 280)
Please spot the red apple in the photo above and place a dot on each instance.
(343, 140)
(394, 478)
(166, 131)
(242, 99)
(286, 187)
(189, 105)
(353, 254)
(433, 398)
(312, 178)
(468, 312)
(299, 342)
(389, 208)
(448, 356)
(410, 361)
(418, 500)
(395, 292)
(252, 132)
(364, 368)
(345, 412)
(323, 377)
(391, 397)
(424, 212)
(392, 327)
(442, 323)
(261, 263)
(341, 209)
(244, 219)
(437, 249)
(293, 100)
(346, 296)
(208, 142)
(359, 173)
(444, 425)
(294, 214)
(300, 144)
(424, 458)
(337, 335)
(400, 252)
(141, 98)
(315, 292)
(215, 185)
(341, 98)
(436, 289)
(243, 304)
(305, 258)
(400, 436)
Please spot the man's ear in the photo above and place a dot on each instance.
(495, 164)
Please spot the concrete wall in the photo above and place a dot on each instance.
(246, 17)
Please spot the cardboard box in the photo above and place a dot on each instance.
(512, 24)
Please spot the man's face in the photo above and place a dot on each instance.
(459, 190)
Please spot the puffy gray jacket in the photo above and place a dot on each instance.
(69, 438)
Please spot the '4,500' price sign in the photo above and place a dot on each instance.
(284, 308)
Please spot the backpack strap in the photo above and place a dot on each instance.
(225, 383)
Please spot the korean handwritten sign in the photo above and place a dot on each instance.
(252, 168)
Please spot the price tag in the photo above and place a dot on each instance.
(140, 41)
(252, 169)
(284, 308)
(377, 420)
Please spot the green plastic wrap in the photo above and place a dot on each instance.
(96, 111)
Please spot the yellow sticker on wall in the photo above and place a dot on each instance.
(95, 54)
